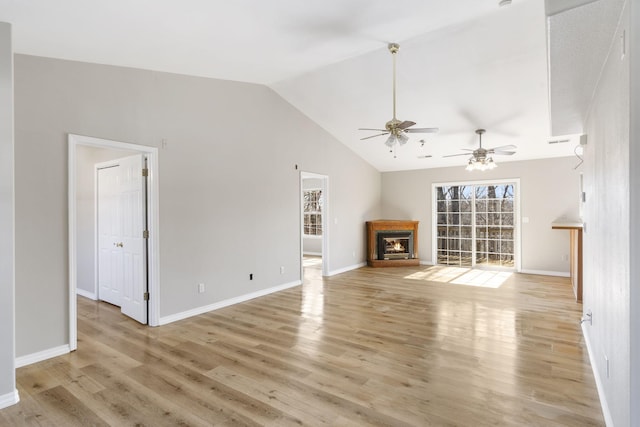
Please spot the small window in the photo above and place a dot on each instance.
(312, 211)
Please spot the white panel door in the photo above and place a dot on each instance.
(132, 202)
(110, 273)
(122, 272)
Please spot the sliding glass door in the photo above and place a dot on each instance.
(475, 224)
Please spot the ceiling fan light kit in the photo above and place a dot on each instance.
(481, 165)
(396, 129)
(481, 158)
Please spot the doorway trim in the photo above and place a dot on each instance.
(325, 221)
(153, 218)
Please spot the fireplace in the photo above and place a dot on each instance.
(392, 243)
(395, 244)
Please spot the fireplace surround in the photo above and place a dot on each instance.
(392, 243)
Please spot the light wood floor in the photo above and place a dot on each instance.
(384, 347)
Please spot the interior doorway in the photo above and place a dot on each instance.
(83, 238)
(314, 208)
(120, 229)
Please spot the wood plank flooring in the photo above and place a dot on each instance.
(386, 347)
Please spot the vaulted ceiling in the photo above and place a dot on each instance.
(462, 65)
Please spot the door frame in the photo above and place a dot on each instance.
(153, 226)
(325, 221)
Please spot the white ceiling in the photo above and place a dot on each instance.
(462, 65)
(580, 40)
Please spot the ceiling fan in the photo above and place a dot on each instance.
(481, 157)
(397, 129)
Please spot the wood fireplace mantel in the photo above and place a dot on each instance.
(390, 225)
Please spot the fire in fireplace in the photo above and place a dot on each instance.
(395, 245)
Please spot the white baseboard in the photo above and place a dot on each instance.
(546, 273)
(86, 294)
(231, 301)
(606, 412)
(9, 399)
(42, 355)
(348, 268)
(312, 253)
(423, 262)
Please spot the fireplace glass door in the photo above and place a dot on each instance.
(395, 244)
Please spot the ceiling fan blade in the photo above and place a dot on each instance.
(422, 130)
(504, 147)
(402, 138)
(390, 141)
(373, 136)
(405, 124)
(454, 155)
(379, 130)
(503, 153)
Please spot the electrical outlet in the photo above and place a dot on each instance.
(565, 257)
(282, 269)
(201, 288)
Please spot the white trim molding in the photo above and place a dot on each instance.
(226, 303)
(87, 294)
(546, 273)
(42, 355)
(606, 412)
(348, 268)
(9, 399)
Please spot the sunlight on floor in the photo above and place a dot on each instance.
(311, 261)
(462, 276)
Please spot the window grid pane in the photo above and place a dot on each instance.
(312, 212)
(475, 218)
(454, 231)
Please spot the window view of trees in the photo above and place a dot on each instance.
(475, 225)
(312, 208)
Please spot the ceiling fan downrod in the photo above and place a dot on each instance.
(393, 48)
(480, 132)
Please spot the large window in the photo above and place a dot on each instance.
(312, 212)
(475, 224)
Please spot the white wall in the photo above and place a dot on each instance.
(607, 256)
(86, 158)
(549, 190)
(8, 394)
(634, 298)
(216, 224)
